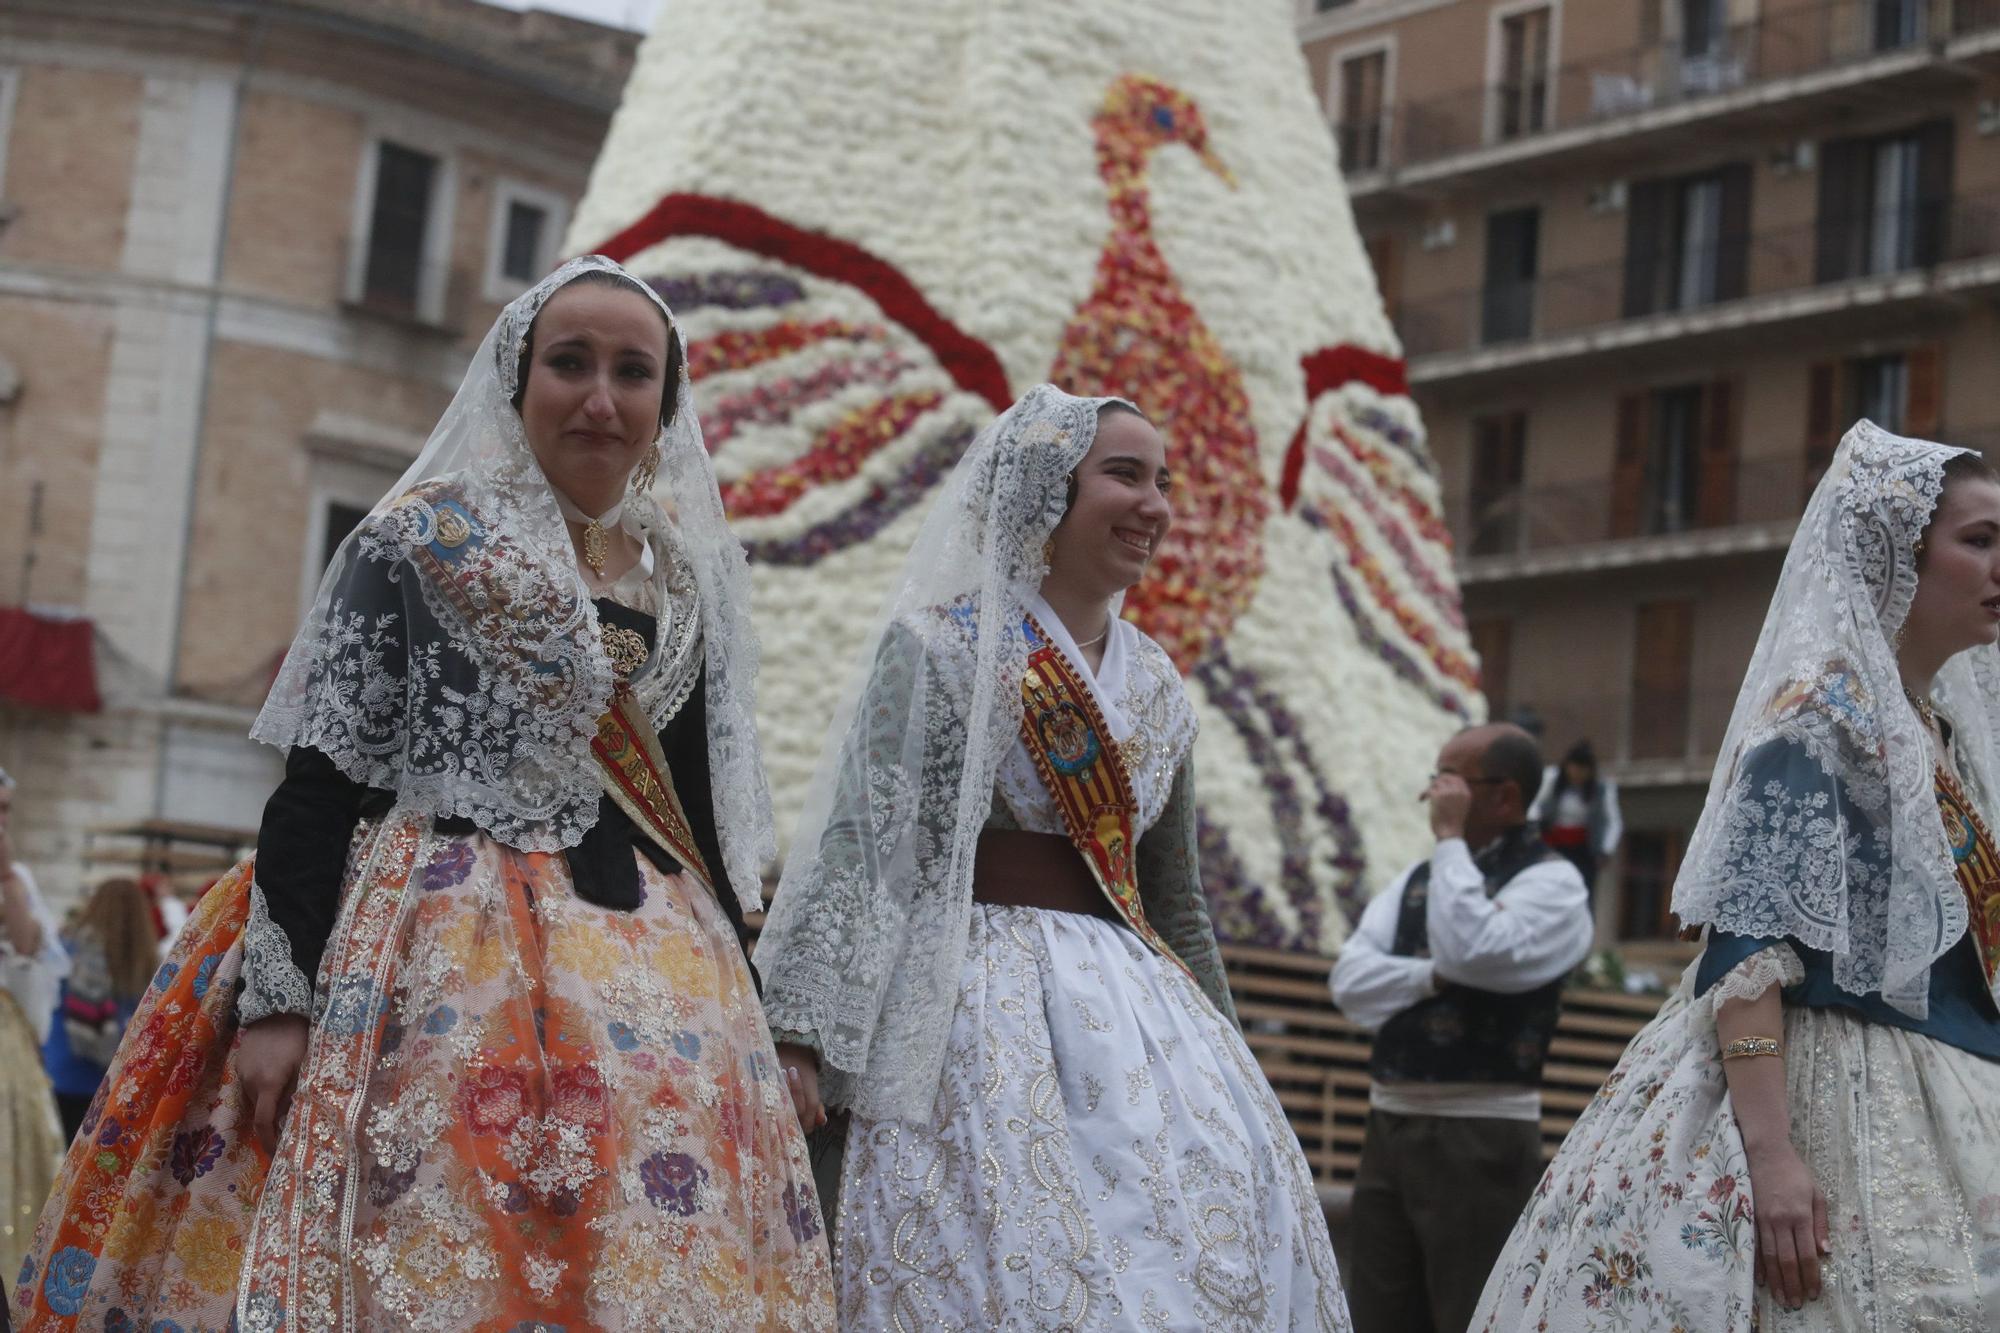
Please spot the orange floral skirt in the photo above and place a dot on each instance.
(518, 1111)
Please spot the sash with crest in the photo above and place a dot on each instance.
(1978, 865)
(1083, 769)
(461, 560)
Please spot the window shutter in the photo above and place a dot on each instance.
(1732, 260)
(1934, 154)
(1715, 497)
(1628, 465)
(1493, 641)
(1824, 392)
(1645, 244)
(1925, 413)
(1662, 661)
(1839, 235)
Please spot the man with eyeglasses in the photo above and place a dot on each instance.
(1458, 970)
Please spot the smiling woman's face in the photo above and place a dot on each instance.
(590, 403)
(1120, 513)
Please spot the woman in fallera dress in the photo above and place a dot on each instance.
(472, 1042)
(1808, 1136)
(990, 946)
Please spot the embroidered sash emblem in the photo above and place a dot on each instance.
(1067, 739)
(1978, 868)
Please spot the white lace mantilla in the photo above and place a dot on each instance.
(452, 654)
(862, 950)
(1822, 823)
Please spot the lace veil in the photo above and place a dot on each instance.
(1821, 822)
(475, 693)
(863, 946)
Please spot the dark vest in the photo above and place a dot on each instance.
(1463, 1034)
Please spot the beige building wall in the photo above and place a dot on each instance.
(191, 376)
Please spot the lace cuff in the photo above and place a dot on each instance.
(272, 982)
(1777, 965)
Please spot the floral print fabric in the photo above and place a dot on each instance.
(1645, 1221)
(519, 1110)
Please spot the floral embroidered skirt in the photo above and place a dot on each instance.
(30, 1133)
(518, 1110)
(1104, 1154)
(1644, 1222)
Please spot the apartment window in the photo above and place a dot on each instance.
(1523, 89)
(1880, 390)
(1884, 202)
(1704, 28)
(1363, 80)
(527, 232)
(1673, 462)
(339, 519)
(1687, 241)
(1493, 642)
(10, 86)
(521, 247)
(1499, 454)
(1899, 391)
(1507, 300)
(1646, 891)
(1898, 23)
(1674, 467)
(1662, 666)
(398, 227)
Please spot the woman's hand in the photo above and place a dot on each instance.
(268, 1055)
(801, 1066)
(1791, 1224)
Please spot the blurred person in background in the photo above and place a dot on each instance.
(114, 951)
(1577, 809)
(32, 965)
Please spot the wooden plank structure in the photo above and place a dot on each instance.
(1317, 1060)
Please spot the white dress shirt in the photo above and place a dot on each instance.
(1533, 931)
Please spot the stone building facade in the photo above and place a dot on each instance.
(245, 252)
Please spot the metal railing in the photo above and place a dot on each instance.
(1781, 43)
(1541, 518)
(1629, 726)
(1575, 299)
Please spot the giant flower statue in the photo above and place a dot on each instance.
(880, 220)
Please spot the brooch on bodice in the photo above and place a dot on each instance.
(626, 648)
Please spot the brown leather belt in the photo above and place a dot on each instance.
(1015, 868)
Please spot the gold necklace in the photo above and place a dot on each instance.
(1925, 708)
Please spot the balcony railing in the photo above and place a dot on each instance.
(1876, 243)
(1783, 43)
(1654, 726)
(1542, 518)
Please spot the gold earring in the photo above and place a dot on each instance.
(649, 467)
(1049, 550)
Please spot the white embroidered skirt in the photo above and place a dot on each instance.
(1645, 1220)
(1104, 1154)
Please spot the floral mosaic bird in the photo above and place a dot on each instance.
(1138, 335)
(835, 396)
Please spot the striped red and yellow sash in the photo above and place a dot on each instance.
(1978, 868)
(1081, 765)
(635, 775)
